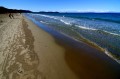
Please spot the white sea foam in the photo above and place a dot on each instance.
(44, 22)
(86, 28)
(112, 33)
(110, 55)
(67, 23)
(57, 18)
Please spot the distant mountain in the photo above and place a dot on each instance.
(6, 10)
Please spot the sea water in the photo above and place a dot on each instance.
(100, 28)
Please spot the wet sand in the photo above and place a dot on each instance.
(88, 63)
(29, 52)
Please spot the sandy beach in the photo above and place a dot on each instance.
(29, 52)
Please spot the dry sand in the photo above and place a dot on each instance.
(18, 58)
(28, 52)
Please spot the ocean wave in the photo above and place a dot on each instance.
(65, 22)
(86, 28)
(110, 55)
(68, 21)
(99, 18)
(62, 19)
(42, 22)
(53, 17)
(112, 33)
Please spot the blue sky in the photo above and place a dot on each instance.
(64, 5)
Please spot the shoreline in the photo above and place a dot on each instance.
(70, 46)
(89, 42)
(86, 41)
(28, 51)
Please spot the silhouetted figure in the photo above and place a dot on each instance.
(11, 16)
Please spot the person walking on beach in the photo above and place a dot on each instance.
(11, 16)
